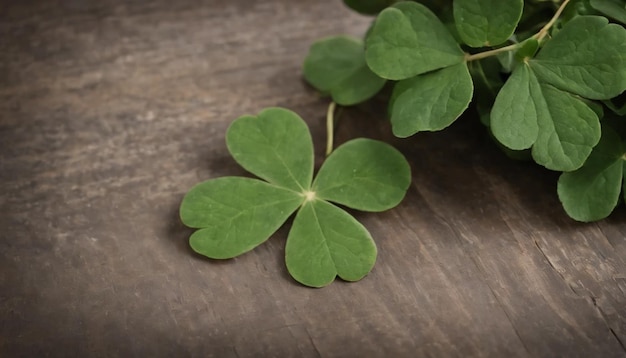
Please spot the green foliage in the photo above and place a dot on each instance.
(587, 57)
(235, 214)
(592, 192)
(265, 145)
(483, 23)
(561, 128)
(615, 9)
(336, 66)
(407, 40)
(325, 242)
(432, 101)
(541, 75)
(547, 79)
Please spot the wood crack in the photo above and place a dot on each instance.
(567, 282)
(594, 301)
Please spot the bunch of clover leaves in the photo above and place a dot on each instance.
(547, 78)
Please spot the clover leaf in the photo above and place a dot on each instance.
(431, 101)
(336, 66)
(486, 22)
(236, 214)
(542, 104)
(587, 57)
(561, 128)
(615, 9)
(407, 39)
(592, 192)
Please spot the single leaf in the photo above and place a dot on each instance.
(364, 174)
(568, 134)
(368, 7)
(516, 110)
(527, 50)
(587, 57)
(235, 214)
(615, 9)
(325, 242)
(276, 145)
(575, 9)
(432, 101)
(336, 66)
(407, 40)
(593, 191)
(484, 23)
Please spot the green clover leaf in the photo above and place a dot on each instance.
(587, 57)
(407, 39)
(592, 192)
(336, 66)
(432, 101)
(542, 105)
(235, 214)
(615, 9)
(237, 223)
(561, 128)
(483, 23)
(326, 241)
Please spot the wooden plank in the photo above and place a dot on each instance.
(110, 111)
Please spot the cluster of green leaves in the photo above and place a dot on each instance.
(236, 214)
(544, 77)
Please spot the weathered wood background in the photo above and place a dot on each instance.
(111, 110)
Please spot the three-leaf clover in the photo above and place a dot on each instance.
(233, 215)
(541, 106)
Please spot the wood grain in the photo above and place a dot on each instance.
(110, 111)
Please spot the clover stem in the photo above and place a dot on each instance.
(485, 54)
(544, 30)
(330, 127)
(538, 36)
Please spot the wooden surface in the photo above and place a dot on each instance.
(110, 111)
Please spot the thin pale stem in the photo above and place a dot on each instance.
(485, 54)
(330, 127)
(538, 36)
(544, 30)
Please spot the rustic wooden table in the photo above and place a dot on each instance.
(111, 110)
